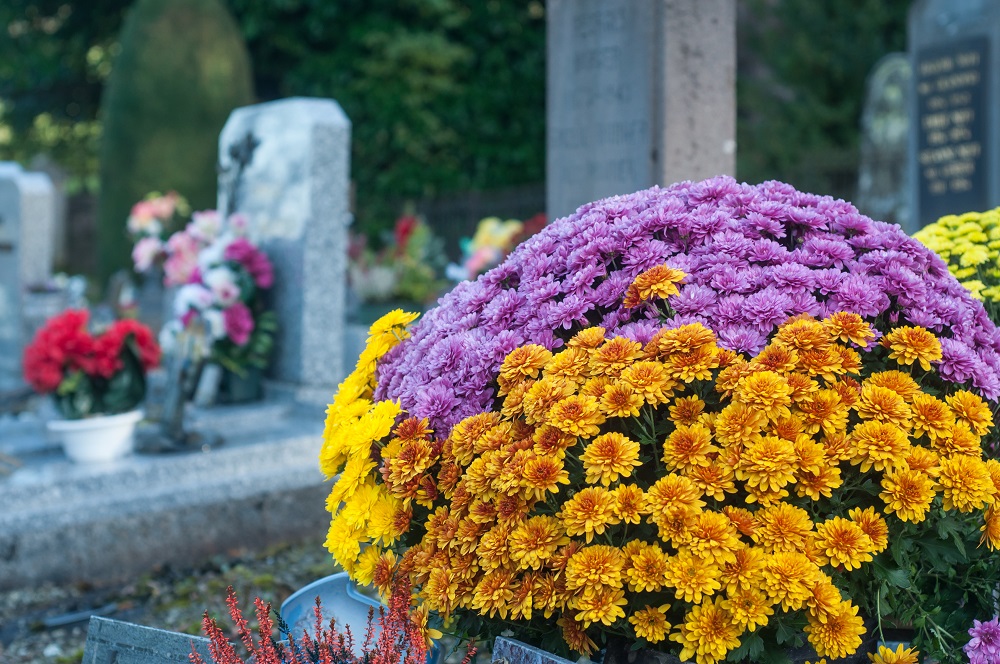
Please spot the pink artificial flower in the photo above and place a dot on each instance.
(253, 260)
(146, 250)
(182, 260)
(205, 225)
(142, 220)
(164, 206)
(239, 323)
(222, 282)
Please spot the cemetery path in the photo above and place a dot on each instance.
(48, 624)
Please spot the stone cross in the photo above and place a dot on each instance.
(639, 92)
(883, 193)
(954, 50)
(116, 642)
(27, 210)
(295, 193)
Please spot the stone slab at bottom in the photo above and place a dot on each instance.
(63, 522)
(125, 643)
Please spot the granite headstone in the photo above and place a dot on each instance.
(954, 50)
(639, 92)
(882, 190)
(27, 209)
(295, 194)
(116, 642)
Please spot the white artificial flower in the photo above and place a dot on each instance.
(222, 282)
(205, 225)
(192, 296)
(215, 324)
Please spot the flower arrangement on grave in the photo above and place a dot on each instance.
(718, 419)
(490, 244)
(220, 276)
(970, 243)
(405, 269)
(150, 222)
(91, 374)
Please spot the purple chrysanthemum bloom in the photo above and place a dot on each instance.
(984, 646)
(753, 256)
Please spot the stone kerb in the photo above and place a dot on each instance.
(295, 194)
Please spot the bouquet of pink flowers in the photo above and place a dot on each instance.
(220, 275)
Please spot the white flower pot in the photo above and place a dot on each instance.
(99, 438)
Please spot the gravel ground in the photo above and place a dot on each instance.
(172, 599)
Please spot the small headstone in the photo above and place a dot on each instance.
(639, 92)
(953, 49)
(882, 190)
(27, 208)
(116, 642)
(295, 194)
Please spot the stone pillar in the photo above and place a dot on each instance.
(640, 92)
(27, 217)
(295, 193)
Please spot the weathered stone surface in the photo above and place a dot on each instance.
(116, 642)
(640, 92)
(295, 193)
(953, 50)
(509, 651)
(27, 212)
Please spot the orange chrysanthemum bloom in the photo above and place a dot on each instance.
(739, 423)
(588, 338)
(922, 459)
(823, 409)
(493, 550)
(708, 633)
(542, 396)
(688, 447)
(788, 577)
(811, 454)
(630, 503)
(878, 445)
(826, 362)
(465, 433)
(660, 281)
(594, 567)
(599, 606)
(715, 480)
(883, 405)
(651, 623)
(596, 386)
(842, 542)
(766, 391)
(931, 416)
(910, 344)
(413, 459)
(898, 656)
(838, 446)
(692, 577)
(742, 518)
(840, 635)
(849, 391)
(439, 593)
(550, 441)
(966, 484)
(524, 362)
(960, 441)
(969, 407)
(873, 525)
(713, 536)
(646, 568)
(672, 492)
(686, 410)
(575, 635)
(749, 608)
(614, 356)
(804, 333)
(577, 415)
(650, 380)
(745, 571)
(776, 357)
(851, 327)
(621, 400)
(991, 529)
(823, 598)
(513, 403)
(535, 540)
(897, 381)
(993, 467)
(679, 340)
(907, 493)
(802, 385)
(590, 511)
(494, 438)
(782, 527)
(610, 456)
(818, 483)
(571, 365)
(493, 593)
(696, 364)
(728, 378)
(768, 463)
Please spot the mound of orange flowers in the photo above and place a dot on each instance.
(673, 492)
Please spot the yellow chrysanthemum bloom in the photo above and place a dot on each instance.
(900, 655)
(651, 623)
(768, 463)
(603, 605)
(589, 512)
(840, 635)
(749, 607)
(594, 567)
(767, 392)
(577, 416)
(851, 327)
(788, 577)
(646, 568)
(842, 542)
(692, 577)
(909, 344)
(878, 445)
(630, 503)
(782, 527)
(966, 484)
(610, 456)
(688, 447)
(659, 281)
(907, 494)
(708, 633)
(535, 540)
(884, 405)
(971, 409)
(873, 525)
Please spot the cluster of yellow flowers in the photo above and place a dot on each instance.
(970, 243)
(658, 488)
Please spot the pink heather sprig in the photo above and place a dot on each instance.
(754, 255)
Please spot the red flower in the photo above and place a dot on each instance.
(405, 226)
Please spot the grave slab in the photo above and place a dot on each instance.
(116, 642)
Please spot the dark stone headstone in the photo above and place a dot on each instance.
(116, 642)
(955, 103)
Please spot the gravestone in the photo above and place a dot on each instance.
(116, 642)
(955, 103)
(639, 92)
(882, 188)
(27, 208)
(295, 194)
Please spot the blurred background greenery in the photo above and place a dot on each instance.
(445, 96)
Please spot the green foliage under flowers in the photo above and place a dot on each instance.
(80, 395)
(256, 352)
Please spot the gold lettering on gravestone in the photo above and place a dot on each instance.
(950, 152)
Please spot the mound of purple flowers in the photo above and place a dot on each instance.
(754, 255)
(984, 646)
